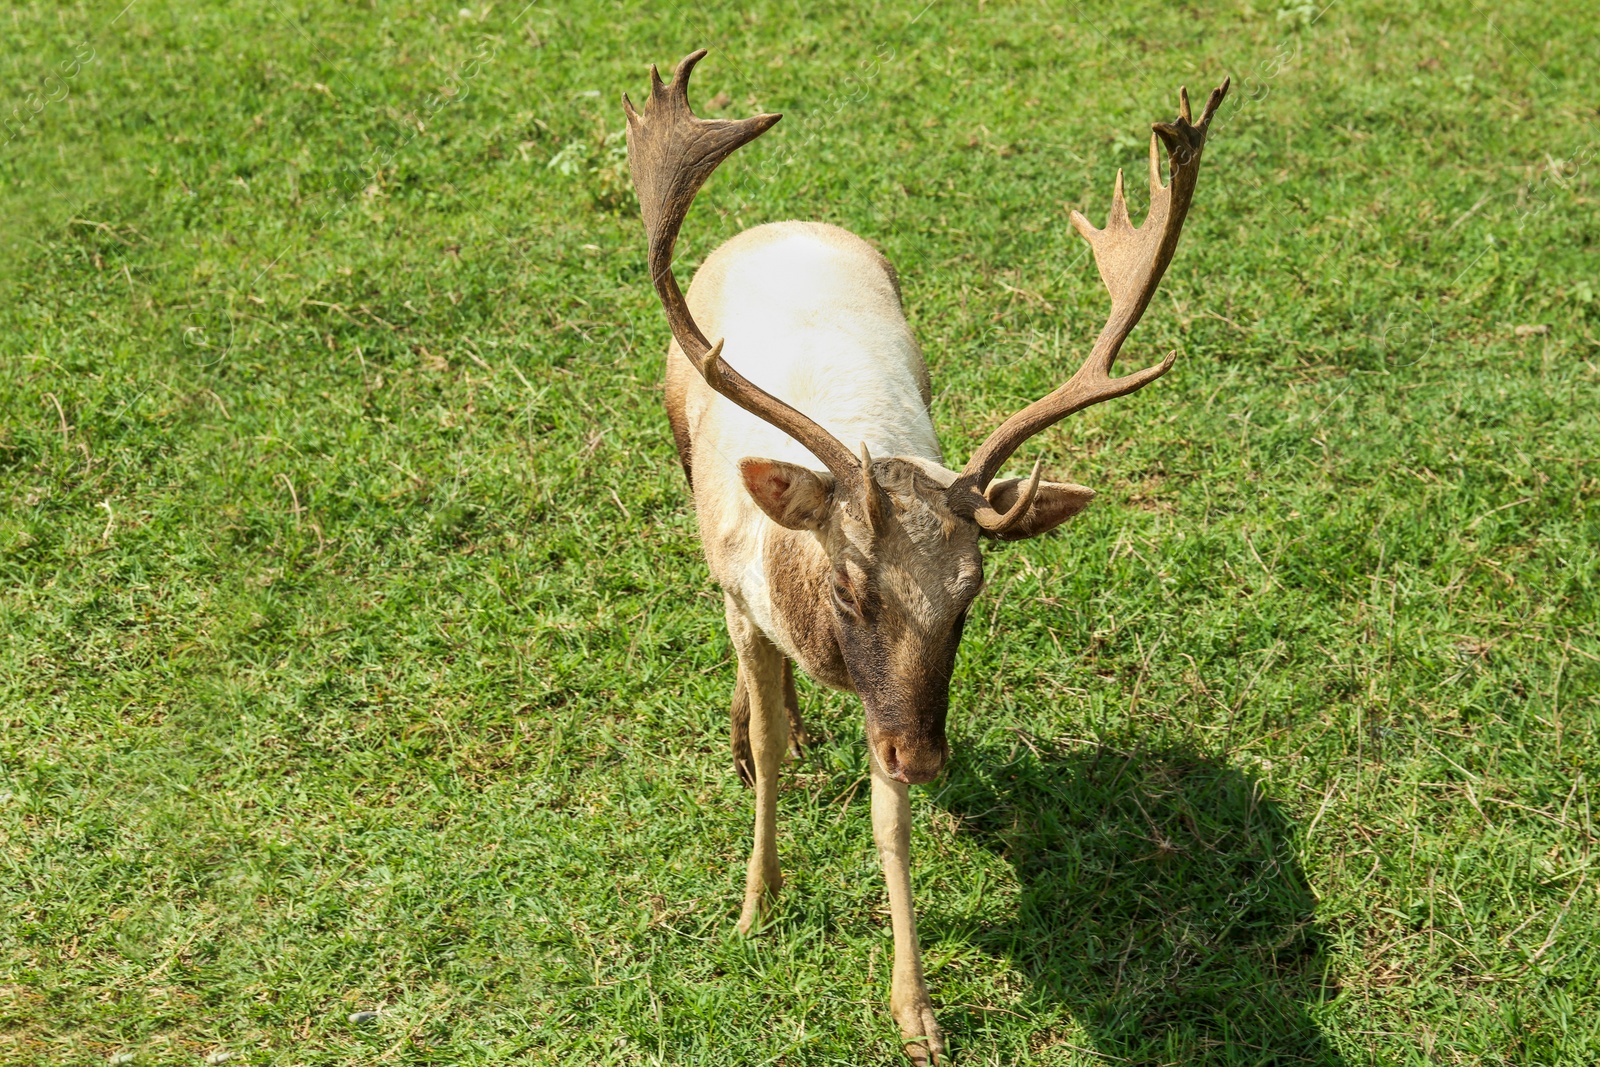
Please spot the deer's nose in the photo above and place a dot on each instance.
(913, 763)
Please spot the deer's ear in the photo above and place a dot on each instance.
(1054, 504)
(791, 495)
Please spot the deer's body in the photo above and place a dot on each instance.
(816, 313)
(861, 572)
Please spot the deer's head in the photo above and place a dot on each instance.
(903, 541)
(903, 534)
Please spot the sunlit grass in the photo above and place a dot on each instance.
(359, 656)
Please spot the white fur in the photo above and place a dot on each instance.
(808, 313)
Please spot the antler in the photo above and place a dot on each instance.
(671, 153)
(1131, 261)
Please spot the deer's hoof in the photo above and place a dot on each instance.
(758, 904)
(798, 742)
(924, 1041)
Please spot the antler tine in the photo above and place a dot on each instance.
(998, 523)
(1131, 261)
(1118, 216)
(671, 153)
(1213, 102)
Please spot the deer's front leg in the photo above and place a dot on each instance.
(908, 993)
(761, 678)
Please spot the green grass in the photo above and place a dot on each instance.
(358, 654)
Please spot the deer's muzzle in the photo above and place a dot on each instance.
(909, 759)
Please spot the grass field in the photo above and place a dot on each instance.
(358, 654)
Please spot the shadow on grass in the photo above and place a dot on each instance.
(1161, 903)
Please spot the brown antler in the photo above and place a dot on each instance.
(1131, 262)
(671, 153)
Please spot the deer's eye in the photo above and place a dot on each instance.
(844, 595)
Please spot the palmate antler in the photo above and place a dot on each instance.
(1131, 261)
(671, 153)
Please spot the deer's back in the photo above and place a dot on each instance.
(811, 313)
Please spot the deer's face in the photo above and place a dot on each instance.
(906, 566)
(900, 590)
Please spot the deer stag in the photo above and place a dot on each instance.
(861, 572)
